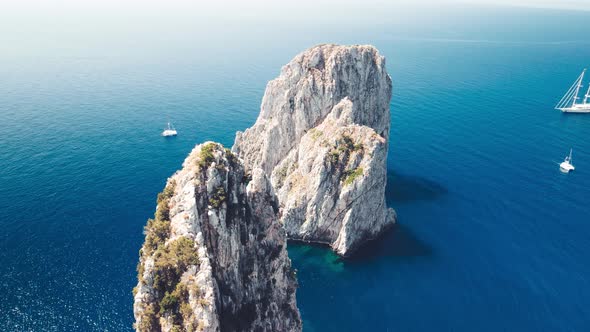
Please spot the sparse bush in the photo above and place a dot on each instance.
(172, 302)
(350, 175)
(171, 261)
(346, 144)
(148, 321)
(218, 197)
(168, 302)
(194, 289)
(206, 156)
(203, 302)
(186, 311)
(315, 134)
(181, 291)
(157, 230)
(231, 157)
(334, 156)
(342, 149)
(168, 191)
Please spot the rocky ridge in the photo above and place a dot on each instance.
(215, 258)
(322, 135)
(313, 168)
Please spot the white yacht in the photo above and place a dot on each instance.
(170, 131)
(566, 166)
(570, 101)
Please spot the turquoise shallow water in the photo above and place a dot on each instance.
(491, 236)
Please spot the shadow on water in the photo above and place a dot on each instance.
(404, 188)
(398, 242)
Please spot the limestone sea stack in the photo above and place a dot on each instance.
(322, 136)
(214, 257)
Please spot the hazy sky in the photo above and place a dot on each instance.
(241, 6)
(27, 26)
(23, 12)
(558, 4)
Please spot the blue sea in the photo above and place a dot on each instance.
(491, 236)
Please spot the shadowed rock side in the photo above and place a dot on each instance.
(322, 134)
(215, 258)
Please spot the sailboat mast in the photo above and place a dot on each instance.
(587, 95)
(578, 88)
(570, 159)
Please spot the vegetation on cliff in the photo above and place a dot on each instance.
(170, 260)
(350, 175)
(206, 156)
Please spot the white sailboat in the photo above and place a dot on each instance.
(170, 131)
(566, 166)
(569, 103)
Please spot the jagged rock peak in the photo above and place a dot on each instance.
(214, 257)
(322, 134)
(306, 91)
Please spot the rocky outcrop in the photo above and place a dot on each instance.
(322, 135)
(215, 258)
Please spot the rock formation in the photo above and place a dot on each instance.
(215, 257)
(322, 136)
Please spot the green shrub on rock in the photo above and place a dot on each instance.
(149, 321)
(157, 230)
(351, 175)
(171, 261)
(168, 302)
(218, 197)
(206, 156)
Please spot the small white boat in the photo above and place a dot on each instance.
(569, 103)
(566, 166)
(170, 131)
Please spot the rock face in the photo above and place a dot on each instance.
(215, 256)
(322, 135)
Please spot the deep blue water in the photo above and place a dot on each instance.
(491, 236)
